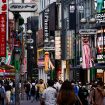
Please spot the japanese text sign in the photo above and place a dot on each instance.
(2, 35)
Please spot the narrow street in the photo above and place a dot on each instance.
(25, 102)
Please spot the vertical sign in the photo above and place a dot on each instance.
(46, 61)
(3, 22)
(72, 17)
(57, 45)
(3, 6)
(2, 35)
(86, 53)
(46, 29)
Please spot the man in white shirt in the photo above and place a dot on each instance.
(50, 94)
(57, 85)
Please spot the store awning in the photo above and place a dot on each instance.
(7, 67)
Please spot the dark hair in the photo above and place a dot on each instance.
(66, 85)
(66, 94)
(50, 82)
(100, 83)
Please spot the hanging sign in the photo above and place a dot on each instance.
(23, 7)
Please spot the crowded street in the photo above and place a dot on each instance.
(52, 52)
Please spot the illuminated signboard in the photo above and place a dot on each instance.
(3, 6)
(100, 6)
(100, 18)
(3, 25)
(25, 7)
(2, 35)
(57, 45)
(100, 44)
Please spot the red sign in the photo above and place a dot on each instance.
(2, 35)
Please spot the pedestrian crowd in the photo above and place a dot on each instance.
(7, 92)
(55, 92)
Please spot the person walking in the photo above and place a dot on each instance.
(33, 92)
(41, 87)
(8, 93)
(2, 93)
(98, 94)
(28, 90)
(66, 95)
(49, 95)
(83, 95)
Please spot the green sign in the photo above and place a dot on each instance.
(100, 5)
(17, 65)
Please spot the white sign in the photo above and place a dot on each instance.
(100, 57)
(57, 45)
(30, 40)
(100, 18)
(25, 7)
(87, 31)
(49, 48)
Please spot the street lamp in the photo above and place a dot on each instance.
(17, 77)
(30, 48)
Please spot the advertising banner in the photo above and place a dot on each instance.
(86, 53)
(57, 45)
(2, 35)
(100, 8)
(3, 26)
(100, 44)
(46, 62)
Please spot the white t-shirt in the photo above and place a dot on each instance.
(57, 85)
(49, 96)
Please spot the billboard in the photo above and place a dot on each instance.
(86, 53)
(100, 44)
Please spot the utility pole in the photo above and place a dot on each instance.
(63, 37)
(17, 59)
(22, 67)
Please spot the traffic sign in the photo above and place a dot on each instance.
(23, 7)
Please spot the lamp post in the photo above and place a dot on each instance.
(17, 77)
(86, 41)
(29, 32)
(30, 47)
